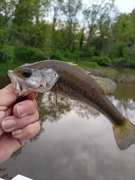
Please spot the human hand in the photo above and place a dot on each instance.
(18, 122)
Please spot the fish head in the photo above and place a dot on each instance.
(26, 79)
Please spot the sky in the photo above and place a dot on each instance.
(124, 6)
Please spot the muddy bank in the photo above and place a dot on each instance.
(124, 77)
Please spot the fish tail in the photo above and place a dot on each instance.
(124, 134)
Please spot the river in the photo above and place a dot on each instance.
(73, 144)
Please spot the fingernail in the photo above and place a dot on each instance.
(17, 133)
(22, 110)
(8, 125)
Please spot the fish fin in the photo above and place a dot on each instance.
(124, 135)
(55, 94)
(106, 84)
(56, 99)
(72, 64)
(77, 67)
(92, 111)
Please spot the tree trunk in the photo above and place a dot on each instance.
(53, 32)
(109, 49)
(81, 39)
(89, 38)
(131, 51)
(69, 41)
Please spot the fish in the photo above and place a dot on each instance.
(69, 80)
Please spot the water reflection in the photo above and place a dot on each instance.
(51, 107)
(4, 174)
(125, 92)
(73, 144)
(51, 110)
(124, 106)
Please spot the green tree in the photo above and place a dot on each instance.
(70, 10)
(6, 15)
(124, 31)
(132, 47)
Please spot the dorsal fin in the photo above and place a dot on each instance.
(71, 63)
(77, 67)
(106, 84)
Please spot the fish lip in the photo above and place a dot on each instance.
(13, 79)
(19, 84)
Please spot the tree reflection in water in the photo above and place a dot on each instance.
(52, 109)
(124, 106)
(4, 175)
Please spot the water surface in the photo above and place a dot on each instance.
(75, 145)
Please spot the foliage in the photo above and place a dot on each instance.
(95, 34)
(90, 65)
(28, 54)
(56, 54)
(101, 60)
(132, 63)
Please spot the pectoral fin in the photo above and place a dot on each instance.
(92, 111)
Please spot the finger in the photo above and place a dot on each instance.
(23, 108)
(12, 123)
(32, 95)
(3, 114)
(28, 132)
(7, 97)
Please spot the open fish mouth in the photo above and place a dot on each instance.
(39, 81)
(19, 84)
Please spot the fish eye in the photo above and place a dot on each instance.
(26, 73)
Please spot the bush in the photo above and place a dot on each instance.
(121, 61)
(71, 56)
(101, 60)
(132, 63)
(28, 54)
(92, 65)
(10, 55)
(56, 54)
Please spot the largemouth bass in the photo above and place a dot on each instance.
(69, 80)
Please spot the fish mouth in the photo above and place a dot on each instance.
(19, 84)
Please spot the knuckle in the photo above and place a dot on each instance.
(33, 106)
(32, 131)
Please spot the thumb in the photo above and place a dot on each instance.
(7, 97)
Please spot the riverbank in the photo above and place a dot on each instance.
(124, 75)
(118, 74)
